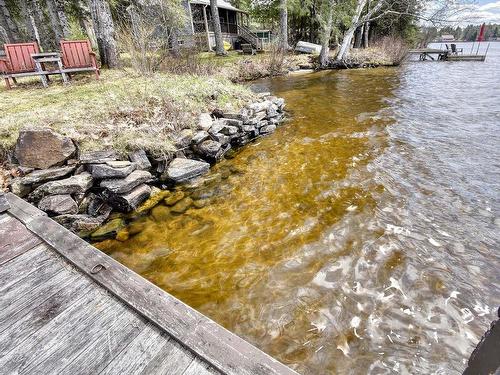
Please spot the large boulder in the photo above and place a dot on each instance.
(78, 184)
(181, 170)
(60, 204)
(42, 148)
(120, 186)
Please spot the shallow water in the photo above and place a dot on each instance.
(362, 236)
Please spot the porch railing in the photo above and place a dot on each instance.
(226, 28)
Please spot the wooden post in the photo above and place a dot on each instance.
(206, 27)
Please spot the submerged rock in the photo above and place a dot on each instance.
(174, 198)
(161, 213)
(155, 198)
(200, 203)
(109, 229)
(182, 206)
(78, 184)
(180, 170)
(120, 186)
(58, 204)
(42, 148)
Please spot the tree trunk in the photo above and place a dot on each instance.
(219, 43)
(366, 34)
(326, 34)
(63, 20)
(174, 39)
(358, 39)
(283, 37)
(83, 13)
(366, 30)
(9, 25)
(346, 41)
(54, 20)
(105, 32)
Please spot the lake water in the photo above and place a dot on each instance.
(361, 237)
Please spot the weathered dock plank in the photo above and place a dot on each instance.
(12, 271)
(68, 308)
(135, 357)
(39, 315)
(17, 239)
(95, 357)
(171, 360)
(15, 308)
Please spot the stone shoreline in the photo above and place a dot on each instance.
(83, 190)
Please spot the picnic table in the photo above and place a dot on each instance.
(41, 59)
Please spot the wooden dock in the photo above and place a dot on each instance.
(444, 55)
(67, 308)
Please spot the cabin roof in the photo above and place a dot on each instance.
(220, 4)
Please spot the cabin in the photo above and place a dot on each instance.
(447, 38)
(235, 26)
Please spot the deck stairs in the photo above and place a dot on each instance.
(248, 36)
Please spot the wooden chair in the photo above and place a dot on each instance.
(18, 61)
(77, 56)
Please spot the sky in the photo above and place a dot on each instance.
(464, 12)
(484, 11)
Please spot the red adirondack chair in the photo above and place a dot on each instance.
(18, 61)
(77, 56)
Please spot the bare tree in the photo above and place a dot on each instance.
(366, 28)
(327, 25)
(105, 32)
(219, 43)
(283, 36)
(356, 21)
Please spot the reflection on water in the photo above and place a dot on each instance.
(361, 237)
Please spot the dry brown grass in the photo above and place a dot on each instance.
(387, 51)
(123, 110)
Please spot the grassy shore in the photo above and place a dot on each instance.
(123, 110)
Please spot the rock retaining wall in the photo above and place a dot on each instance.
(80, 190)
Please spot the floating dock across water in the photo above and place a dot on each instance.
(68, 308)
(445, 55)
